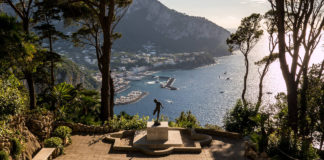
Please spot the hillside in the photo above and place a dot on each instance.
(151, 26)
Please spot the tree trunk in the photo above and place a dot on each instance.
(105, 84)
(303, 99)
(29, 76)
(31, 88)
(112, 93)
(245, 78)
(264, 72)
(321, 144)
(106, 22)
(290, 82)
(26, 25)
(321, 70)
(52, 61)
(104, 94)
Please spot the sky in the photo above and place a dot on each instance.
(226, 13)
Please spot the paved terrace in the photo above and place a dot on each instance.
(90, 147)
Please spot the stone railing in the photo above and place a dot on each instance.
(82, 128)
(219, 133)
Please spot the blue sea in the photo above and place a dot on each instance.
(210, 91)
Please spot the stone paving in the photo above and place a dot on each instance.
(90, 147)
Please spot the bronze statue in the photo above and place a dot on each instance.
(157, 109)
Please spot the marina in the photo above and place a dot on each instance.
(132, 97)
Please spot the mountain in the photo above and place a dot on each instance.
(149, 25)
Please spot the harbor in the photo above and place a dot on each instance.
(120, 85)
(132, 97)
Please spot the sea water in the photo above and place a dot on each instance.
(210, 91)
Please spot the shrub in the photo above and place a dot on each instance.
(16, 147)
(127, 122)
(239, 119)
(187, 120)
(12, 99)
(215, 127)
(62, 132)
(4, 155)
(55, 142)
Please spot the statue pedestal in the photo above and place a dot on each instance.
(157, 137)
(156, 133)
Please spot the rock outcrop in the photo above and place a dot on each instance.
(40, 125)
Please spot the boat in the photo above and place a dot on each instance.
(169, 101)
(151, 82)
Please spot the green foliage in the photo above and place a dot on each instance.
(11, 38)
(264, 60)
(5, 130)
(247, 35)
(4, 155)
(215, 127)
(12, 99)
(127, 122)
(62, 132)
(239, 119)
(16, 148)
(70, 70)
(187, 120)
(55, 142)
(73, 103)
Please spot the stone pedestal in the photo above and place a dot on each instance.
(157, 133)
(157, 137)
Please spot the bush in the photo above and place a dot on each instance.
(12, 99)
(62, 132)
(16, 148)
(4, 155)
(215, 127)
(239, 119)
(187, 120)
(127, 122)
(55, 142)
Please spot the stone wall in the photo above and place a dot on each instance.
(219, 133)
(30, 142)
(40, 125)
(82, 128)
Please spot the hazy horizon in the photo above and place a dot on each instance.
(227, 14)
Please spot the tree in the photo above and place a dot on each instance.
(267, 60)
(23, 9)
(11, 43)
(105, 15)
(47, 13)
(244, 39)
(294, 19)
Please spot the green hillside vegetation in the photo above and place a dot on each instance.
(70, 72)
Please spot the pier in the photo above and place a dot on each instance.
(169, 84)
(132, 97)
